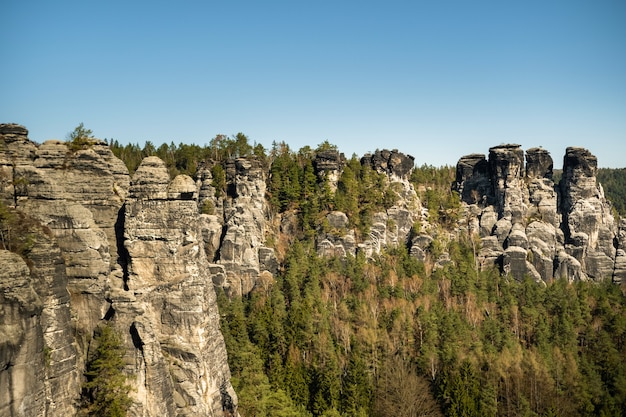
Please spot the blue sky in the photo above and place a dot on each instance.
(436, 79)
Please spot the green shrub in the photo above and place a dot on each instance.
(80, 138)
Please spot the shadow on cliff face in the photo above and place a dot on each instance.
(122, 253)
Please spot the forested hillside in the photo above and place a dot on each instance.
(395, 336)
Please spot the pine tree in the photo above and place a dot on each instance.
(106, 393)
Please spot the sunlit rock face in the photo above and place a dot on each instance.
(588, 225)
(21, 346)
(132, 253)
(39, 361)
(168, 302)
(147, 254)
(244, 219)
(565, 229)
(74, 195)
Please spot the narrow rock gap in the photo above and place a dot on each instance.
(218, 252)
(109, 314)
(134, 334)
(122, 253)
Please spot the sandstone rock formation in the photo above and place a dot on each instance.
(619, 274)
(529, 225)
(244, 225)
(329, 164)
(147, 254)
(38, 351)
(167, 300)
(390, 228)
(392, 163)
(21, 340)
(234, 223)
(132, 254)
(340, 240)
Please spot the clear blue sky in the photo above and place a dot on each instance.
(435, 79)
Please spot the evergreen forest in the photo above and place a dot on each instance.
(394, 336)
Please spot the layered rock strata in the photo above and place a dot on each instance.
(328, 165)
(245, 214)
(131, 254)
(168, 302)
(529, 225)
(392, 163)
(39, 361)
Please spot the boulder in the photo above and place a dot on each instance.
(183, 187)
(337, 220)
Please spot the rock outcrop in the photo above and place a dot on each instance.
(328, 165)
(619, 273)
(167, 301)
(392, 163)
(39, 363)
(532, 227)
(389, 228)
(108, 249)
(21, 340)
(472, 178)
(234, 225)
(244, 225)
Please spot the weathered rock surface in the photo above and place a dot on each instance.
(539, 163)
(169, 309)
(244, 225)
(328, 165)
(472, 178)
(389, 228)
(62, 382)
(21, 340)
(588, 224)
(39, 364)
(619, 273)
(133, 254)
(392, 163)
(565, 230)
(146, 255)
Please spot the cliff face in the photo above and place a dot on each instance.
(129, 253)
(531, 226)
(21, 348)
(167, 300)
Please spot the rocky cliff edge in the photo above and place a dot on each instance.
(130, 252)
